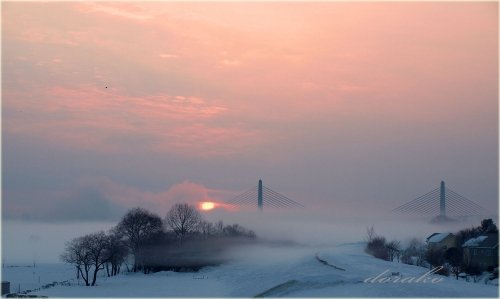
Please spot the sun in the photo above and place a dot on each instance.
(207, 205)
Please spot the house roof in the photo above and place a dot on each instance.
(488, 240)
(431, 236)
(437, 237)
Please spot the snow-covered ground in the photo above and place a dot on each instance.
(280, 272)
(26, 277)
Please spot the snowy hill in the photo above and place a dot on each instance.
(271, 271)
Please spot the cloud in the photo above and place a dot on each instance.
(166, 56)
(230, 62)
(122, 10)
(36, 35)
(78, 203)
(104, 120)
(102, 199)
(209, 141)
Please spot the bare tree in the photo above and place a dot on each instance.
(414, 254)
(454, 258)
(97, 244)
(394, 247)
(219, 228)
(86, 253)
(116, 252)
(137, 226)
(206, 228)
(378, 248)
(434, 256)
(77, 253)
(183, 219)
(370, 233)
(237, 230)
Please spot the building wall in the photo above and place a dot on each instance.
(448, 242)
(481, 257)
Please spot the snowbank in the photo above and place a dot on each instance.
(281, 272)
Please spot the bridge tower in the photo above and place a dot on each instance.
(274, 200)
(259, 198)
(442, 200)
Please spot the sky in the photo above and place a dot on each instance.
(348, 108)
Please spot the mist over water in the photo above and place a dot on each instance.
(325, 228)
(25, 242)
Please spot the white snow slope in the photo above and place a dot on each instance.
(281, 272)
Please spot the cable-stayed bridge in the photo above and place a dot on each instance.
(441, 202)
(261, 195)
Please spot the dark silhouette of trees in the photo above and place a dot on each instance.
(488, 226)
(377, 247)
(153, 249)
(207, 229)
(77, 253)
(380, 248)
(453, 257)
(183, 219)
(97, 243)
(137, 226)
(370, 233)
(435, 257)
(237, 230)
(142, 234)
(414, 254)
(394, 250)
(219, 227)
(86, 253)
(116, 251)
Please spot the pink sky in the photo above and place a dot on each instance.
(351, 85)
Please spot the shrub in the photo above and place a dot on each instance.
(378, 248)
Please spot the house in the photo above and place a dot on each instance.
(442, 241)
(482, 251)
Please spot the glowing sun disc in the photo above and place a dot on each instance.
(207, 205)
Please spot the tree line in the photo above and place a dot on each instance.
(182, 241)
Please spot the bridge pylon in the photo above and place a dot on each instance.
(264, 195)
(260, 196)
(441, 202)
